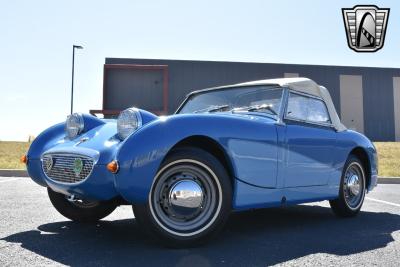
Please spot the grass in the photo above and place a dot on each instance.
(388, 152)
(10, 154)
(389, 158)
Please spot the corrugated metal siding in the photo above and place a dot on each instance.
(133, 87)
(186, 76)
(378, 105)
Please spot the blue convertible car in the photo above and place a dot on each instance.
(251, 145)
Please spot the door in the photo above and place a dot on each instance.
(253, 144)
(309, 140)
(351, 102)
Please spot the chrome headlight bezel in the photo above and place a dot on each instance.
(74, 125)
(129, 120)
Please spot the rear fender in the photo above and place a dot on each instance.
(348, 141)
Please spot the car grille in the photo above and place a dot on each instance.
(67, 168)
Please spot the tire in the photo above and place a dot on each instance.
(352, 189)
(82, 210)
(185, 220)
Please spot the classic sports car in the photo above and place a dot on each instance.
(251, 145)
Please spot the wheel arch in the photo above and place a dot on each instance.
(362, 155)
(209, 145)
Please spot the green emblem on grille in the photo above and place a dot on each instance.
(78, 166)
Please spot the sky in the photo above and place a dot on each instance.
(36, 39)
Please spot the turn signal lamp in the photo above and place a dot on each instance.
(24, 159)
(113, 166)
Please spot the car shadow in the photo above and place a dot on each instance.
(257, 238)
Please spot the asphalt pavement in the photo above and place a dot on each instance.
(33, 233)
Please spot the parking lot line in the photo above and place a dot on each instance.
(384, 202)
(8, 180)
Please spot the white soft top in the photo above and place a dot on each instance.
(307, 86)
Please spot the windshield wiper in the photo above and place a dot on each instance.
(212, 109)
(257, 108)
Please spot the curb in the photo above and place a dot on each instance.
(388, 180)
(13, 173)
(24, 173)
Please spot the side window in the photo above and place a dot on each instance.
(297, 107)
(306, 109)
(317, 111)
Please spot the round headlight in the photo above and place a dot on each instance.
(129, 121)
(74, 125)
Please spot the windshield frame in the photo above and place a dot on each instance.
(205, 91)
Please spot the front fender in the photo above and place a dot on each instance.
(141, 155)
(47, 139)
(54, 137)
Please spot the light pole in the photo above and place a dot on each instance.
(72, 83)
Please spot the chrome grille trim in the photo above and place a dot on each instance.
(62, 167)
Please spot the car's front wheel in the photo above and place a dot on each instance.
(80, 210)
(190, 199)
(352, 189)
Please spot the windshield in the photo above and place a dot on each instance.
(249, 98)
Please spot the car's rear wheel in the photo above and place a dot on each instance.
(190, 199)
(352, 189)
(80, 210)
